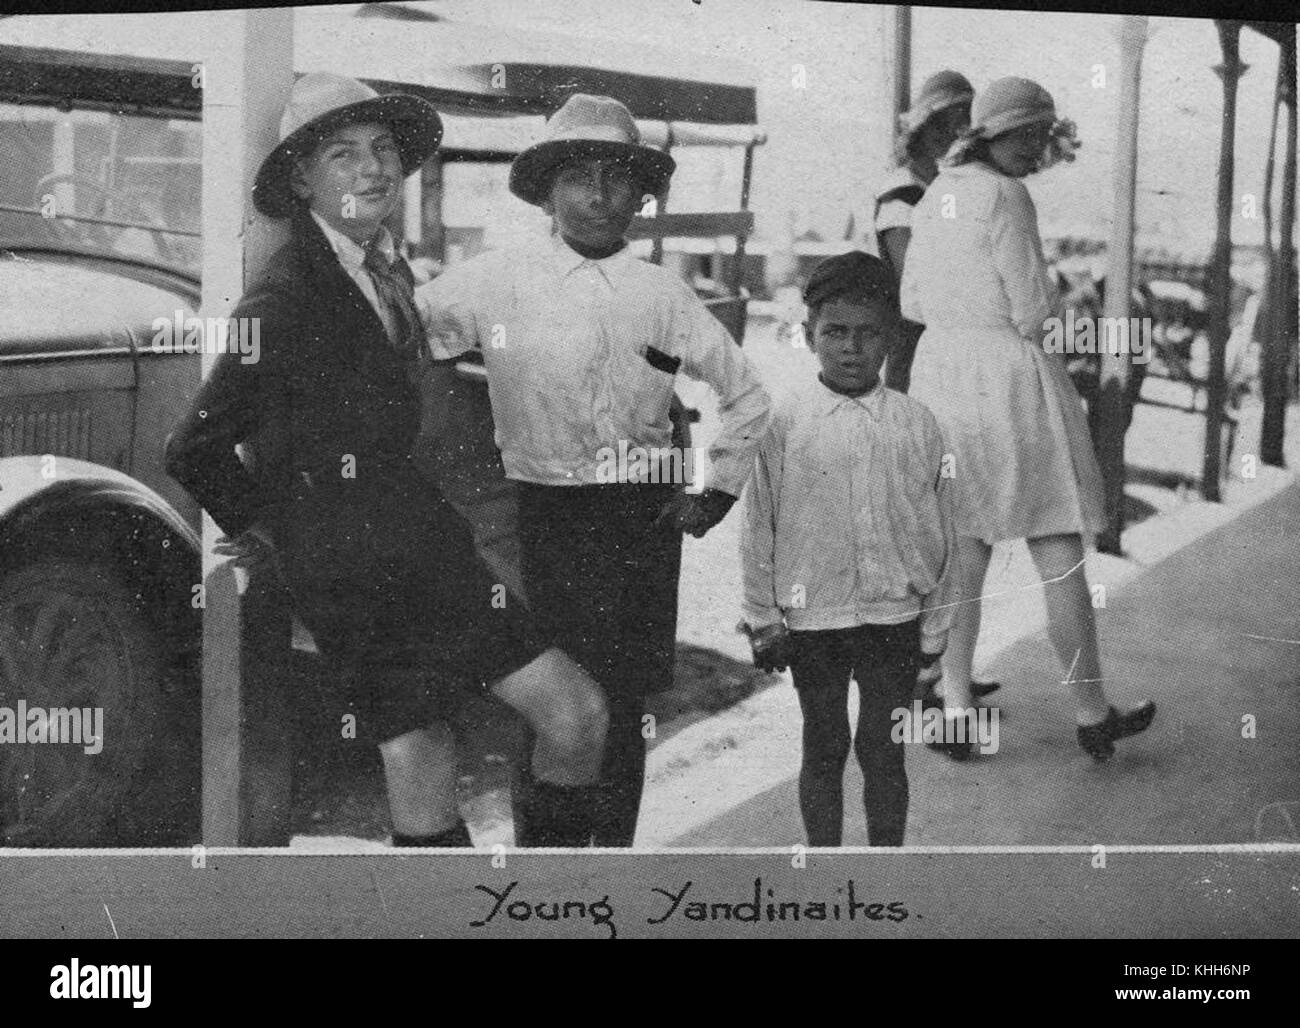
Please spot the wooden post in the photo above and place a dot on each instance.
(433, 231)
(902, 67)
(1220, 277)
(1280, 293)
(246, 758)
(1112, 387)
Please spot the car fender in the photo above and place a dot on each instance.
(67, 507)
(33, 488)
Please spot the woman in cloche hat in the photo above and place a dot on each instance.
(940, 113)
(1024, 466)
(582, 342)
(380, 569)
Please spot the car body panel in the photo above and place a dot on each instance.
(31, 488)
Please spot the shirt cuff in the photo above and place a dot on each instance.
(729, 476)
(761, 617)
(445, 346)
(894, 214)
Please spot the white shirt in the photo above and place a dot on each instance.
(848, 518)
(975, 259)
(564, 340)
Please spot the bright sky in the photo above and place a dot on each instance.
(828, 137)
(826, 144)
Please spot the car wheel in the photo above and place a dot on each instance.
(73, 636)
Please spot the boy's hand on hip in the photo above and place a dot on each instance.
(695, 514)
(247, 550)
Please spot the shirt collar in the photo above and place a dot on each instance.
(351, 254)
(827, 401)
(567, 260)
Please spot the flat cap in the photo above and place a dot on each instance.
(851, 275)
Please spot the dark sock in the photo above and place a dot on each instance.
(455, 837)
(622, 775)
(556, 815)
(521, 785)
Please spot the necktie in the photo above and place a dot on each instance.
(397, 297)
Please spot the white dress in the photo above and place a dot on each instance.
(975, 277)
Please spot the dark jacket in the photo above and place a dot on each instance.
(326, 388)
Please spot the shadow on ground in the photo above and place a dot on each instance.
(339, 785)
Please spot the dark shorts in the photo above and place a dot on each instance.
(392, 589)
(602, 578)
(883, 657)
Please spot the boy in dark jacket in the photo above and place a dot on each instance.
(382, 571)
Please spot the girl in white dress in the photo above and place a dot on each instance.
(1023, 461)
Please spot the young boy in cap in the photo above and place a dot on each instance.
(381, 570)
(582, 343)
(847, 548)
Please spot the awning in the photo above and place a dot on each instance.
(91, 61)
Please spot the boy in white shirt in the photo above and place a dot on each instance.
(847, 548)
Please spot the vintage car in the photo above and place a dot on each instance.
(99, 550)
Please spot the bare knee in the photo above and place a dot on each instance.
(562, 703)
(579, 719)
(425, 747)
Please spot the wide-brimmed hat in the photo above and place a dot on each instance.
(940, 91)
(588, 126)
(320, 103)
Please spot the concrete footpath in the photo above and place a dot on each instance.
(1211, 632)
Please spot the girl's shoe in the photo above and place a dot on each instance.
(958, 749)
(978, 690)
(1098, 740)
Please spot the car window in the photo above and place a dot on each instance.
(94, 182)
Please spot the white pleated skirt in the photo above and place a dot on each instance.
(1023, 462)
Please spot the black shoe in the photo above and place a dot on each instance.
(978, 690)
(959, 750)
(1098, 741)
(455, 837)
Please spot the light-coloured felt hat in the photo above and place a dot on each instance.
(1010, 103)
(1007, 104)
(588, 126)
(322, 102)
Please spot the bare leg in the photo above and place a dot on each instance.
(567, 712)
(1070, 622)
(570, 720)
(420, 770)
(972, 565)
